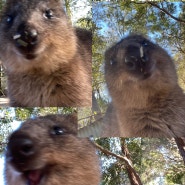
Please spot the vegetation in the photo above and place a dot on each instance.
(149, 161)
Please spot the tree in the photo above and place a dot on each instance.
(151, 161)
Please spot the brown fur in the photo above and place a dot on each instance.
(60, 158)
(56, 71)
(146, 98)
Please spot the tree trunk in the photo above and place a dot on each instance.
(132, 174)
(68, 10)
(1, 89)
(95, 108)
(181, 146)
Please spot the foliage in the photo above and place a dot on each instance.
(157, 161)
(115, 19)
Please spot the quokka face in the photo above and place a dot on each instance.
(146, 98)
(136, 61)
(26, 29)
(47, 61)
(46, 151)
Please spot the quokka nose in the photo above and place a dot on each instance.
(31, 33)
(29, 36)
(135, 57)
(26, 35)
(21, 147)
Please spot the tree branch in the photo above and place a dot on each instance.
(132, 174)
(166, 12)
(131, 171)
(181, 146)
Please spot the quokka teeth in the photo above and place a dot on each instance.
(17, 36)
(141, 52)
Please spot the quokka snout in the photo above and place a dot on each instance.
(47, 151)
(47, 61)
(146, 98)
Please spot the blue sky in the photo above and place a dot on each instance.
(108, 26)
(15, 124)
(81, 9)
(1, 170)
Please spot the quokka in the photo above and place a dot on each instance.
(146, 98)
(47, 151)
(47, 61)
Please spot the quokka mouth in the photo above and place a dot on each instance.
(26, 47)
(33, 177)
(30, 56)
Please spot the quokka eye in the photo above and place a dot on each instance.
(56, 130)
(112, 62)
(144, 43)
(48, 14)
(9, 19)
